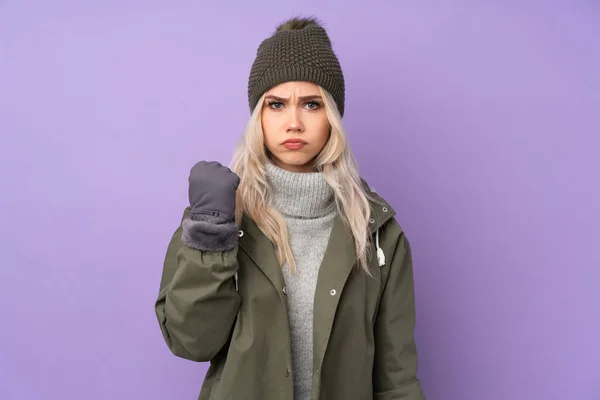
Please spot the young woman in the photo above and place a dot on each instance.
(287, 272)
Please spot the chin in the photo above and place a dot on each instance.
(294, 160)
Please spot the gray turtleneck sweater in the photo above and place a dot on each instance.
(306, 202)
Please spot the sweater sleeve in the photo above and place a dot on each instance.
(395, 370)
(198, 303)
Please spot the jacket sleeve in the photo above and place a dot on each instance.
(395, 370)
(198, 303)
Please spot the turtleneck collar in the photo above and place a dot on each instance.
(300, 194)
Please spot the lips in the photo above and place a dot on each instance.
(294, 144)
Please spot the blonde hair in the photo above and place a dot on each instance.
(339, 167)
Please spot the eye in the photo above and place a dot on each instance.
(276, 105)
(313, 105)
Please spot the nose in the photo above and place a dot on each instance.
(295, 122)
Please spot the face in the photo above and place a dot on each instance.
(295, 125)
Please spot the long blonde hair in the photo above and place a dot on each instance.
(339, 167)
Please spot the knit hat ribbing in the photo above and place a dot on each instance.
(299, 50)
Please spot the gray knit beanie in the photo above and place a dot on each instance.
(299, 50)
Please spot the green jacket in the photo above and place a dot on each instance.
(363, 326)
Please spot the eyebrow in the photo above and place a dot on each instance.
(301, 98)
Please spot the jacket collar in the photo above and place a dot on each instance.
(262, 252)
(381, 212)
(260, 249)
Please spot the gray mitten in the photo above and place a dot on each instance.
(210, 225)
(212, 190)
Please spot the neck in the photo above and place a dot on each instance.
(299, 194)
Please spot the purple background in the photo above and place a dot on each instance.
(478, 121)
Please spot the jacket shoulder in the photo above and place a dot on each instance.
(382, 209)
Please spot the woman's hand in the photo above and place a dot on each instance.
(212, 188)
